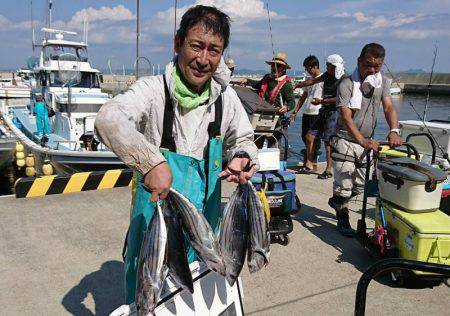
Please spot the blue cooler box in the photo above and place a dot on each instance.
(277, 181)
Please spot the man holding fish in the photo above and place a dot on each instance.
(172, 130)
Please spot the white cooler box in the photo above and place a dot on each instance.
(409, 188)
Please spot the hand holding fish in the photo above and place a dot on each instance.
(159, 180)
(239, 170)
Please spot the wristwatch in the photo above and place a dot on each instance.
(395, 130)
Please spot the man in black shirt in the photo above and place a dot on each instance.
(323, 127)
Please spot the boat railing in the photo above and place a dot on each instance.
(79, 145)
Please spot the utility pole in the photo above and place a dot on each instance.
(137, 40)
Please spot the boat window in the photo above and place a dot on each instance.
(52, 52)
(87, 80)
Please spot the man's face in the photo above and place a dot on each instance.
(312, 70)
(369, 65)
(277, 70)
(330, 69)
(199, 55)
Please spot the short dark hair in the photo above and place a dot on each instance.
(373, 49)
(311, 61)
(212, 18)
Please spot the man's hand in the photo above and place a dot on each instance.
(394, 139)
(283, 109)
(159, 180)
(316, 101)
(235, 171)
(370, 144)
(243, 82)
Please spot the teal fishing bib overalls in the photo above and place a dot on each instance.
(196, 179)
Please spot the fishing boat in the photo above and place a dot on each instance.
(14, 87)
(70, 87)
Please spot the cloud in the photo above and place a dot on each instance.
(381, 21)
(118, 13)
(417, 34)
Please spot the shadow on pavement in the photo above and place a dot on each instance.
(323, 225)
(106, 287)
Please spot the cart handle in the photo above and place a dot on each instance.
(387, 265)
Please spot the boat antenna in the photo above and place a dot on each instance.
(50, 4)
(137, 41)
(444, 154)
(32, 25)
(429, 83)
(175, 24)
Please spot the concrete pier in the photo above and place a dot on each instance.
(61, 255)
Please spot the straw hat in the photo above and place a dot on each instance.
(280, 58)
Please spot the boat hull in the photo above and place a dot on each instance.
(6, 152)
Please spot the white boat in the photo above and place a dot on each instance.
(71, 144)
(395, 90)
(14, 87)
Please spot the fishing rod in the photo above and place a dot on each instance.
(273, 46)
(444, 154)
(429, 83)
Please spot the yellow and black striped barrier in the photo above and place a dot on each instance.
(83, 181)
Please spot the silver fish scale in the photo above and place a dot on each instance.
(152, 269)
(234, 235)
(199, 232)
(259, 244)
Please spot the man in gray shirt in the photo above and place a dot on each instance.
(358, 101)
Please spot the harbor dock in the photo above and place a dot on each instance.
(61, 255)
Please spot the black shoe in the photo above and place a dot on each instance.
(337, 202)
(325, 175)
(343, 224)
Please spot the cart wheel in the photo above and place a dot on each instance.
(284, 240)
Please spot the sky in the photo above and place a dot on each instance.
(409, 30)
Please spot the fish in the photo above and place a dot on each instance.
(198, 231)
(233, 237)
(152, 267)
(259, 239)
(177, 262)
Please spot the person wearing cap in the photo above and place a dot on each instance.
(41, 113)
(358, 100)
(323, 127)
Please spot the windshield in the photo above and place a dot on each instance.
(54, 51)
(87, 80)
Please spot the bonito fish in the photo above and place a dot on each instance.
(152, 269)
(234, 235)
(199, 232)
(259, 242)
(177, 263)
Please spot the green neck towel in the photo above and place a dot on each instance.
(187, 98)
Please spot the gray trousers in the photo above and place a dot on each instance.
(348, 177)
